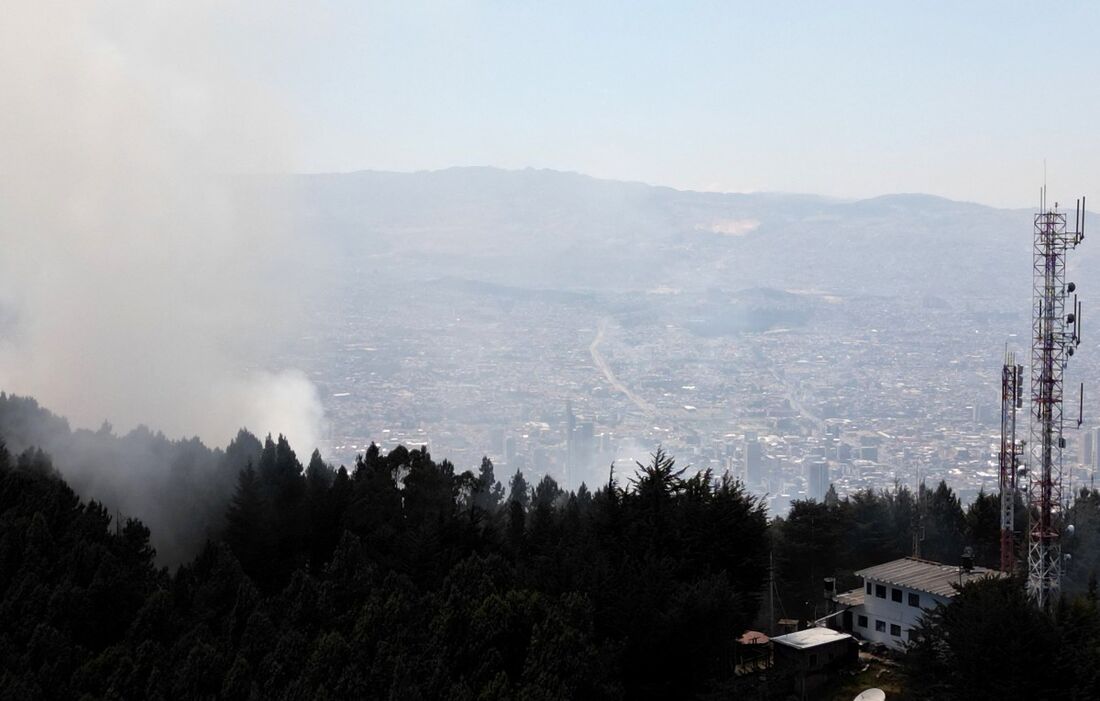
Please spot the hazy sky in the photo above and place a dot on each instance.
(846, 99)
(119, 117)
(136, 283)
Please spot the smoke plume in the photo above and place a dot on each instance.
(140, 282)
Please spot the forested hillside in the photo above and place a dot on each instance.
(178, 488)
(400, 579)
(403, 578)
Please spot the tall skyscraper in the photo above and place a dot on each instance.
(817, 478)
(753, 459)
(509, 450)
(1094, 438)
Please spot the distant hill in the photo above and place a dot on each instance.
(563, 231)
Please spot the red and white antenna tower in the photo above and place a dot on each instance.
(1012, 397)
(1055, 335)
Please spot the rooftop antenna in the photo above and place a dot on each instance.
(771, 592)
(918, 532)
(1055, 336)
(1081, 406)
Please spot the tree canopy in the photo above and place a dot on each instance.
(402, 579)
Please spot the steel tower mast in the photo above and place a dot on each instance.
(1055, 335)
(1012, 397)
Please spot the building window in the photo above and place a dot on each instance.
(880, 591)
(862, 620)
(895, 630)
(895, 594)
(914, 600)
(868, 587)
(911, 634)
(880, 626)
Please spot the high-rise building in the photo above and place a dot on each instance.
(583, 436)
(817, 478)
(509, 450)
(496, 439)
(753, 459)
(1094, 462)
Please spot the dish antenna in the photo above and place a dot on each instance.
(871, 695)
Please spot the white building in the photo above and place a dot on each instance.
(895, 595)
(812, 656)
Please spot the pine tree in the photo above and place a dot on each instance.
(245, 529)
(519, 492)
(489, 492)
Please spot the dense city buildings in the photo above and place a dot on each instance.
(868, 392)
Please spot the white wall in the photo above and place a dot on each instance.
(890, 612)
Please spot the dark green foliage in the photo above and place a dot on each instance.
(837, 537)
(518, 490)
(675, 565)
(872, 533)
(245, 532)
(408, 579)
(323, 514)
(268, 523)
(1084, 546)
(943, 522)
(71, 584)
(488, 494)
(809, 547)
(402, 580)
(180, 488)
(983, 526)
(991, 642)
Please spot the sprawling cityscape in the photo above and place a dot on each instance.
(869, 392)
(549, 351)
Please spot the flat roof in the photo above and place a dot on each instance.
(925, 575)
(850, 598)
(753, 637)
(811, 637)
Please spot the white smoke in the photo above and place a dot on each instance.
(138, 282)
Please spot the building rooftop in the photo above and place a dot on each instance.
(850, 598)
(925, 575)
(753, 637)
(811, 637)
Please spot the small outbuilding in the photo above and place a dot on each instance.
(811, 657)
(752, 652)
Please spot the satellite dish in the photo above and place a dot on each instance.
(871, 695)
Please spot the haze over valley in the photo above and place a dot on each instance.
(548, 351)
(473, 309)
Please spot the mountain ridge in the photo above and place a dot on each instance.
(901, 197)
(541, 228)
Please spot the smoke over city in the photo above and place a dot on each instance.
(604, 351)
(139, 282)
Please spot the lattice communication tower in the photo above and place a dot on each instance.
(1012, 398)
(1055, 335)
